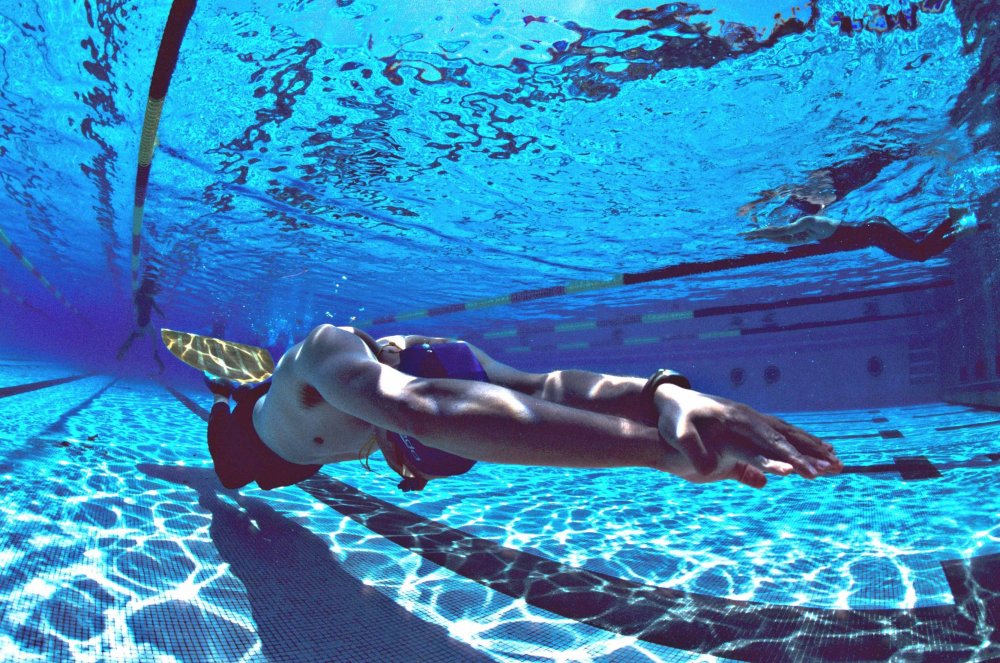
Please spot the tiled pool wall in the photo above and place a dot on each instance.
(970, 339)
(930, 338)
(873, 346)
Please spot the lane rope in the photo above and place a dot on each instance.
(617, 281)
(22, 301)
(666, 340)
(534, 329)
(19, 254)
(166, 60)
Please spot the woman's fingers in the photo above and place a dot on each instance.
(738, 464)
(774, 466)
(772, 444)
(752, 473)
(791, 430)
(785, 442)
(806, 442)
(747, 474)
(728, 440)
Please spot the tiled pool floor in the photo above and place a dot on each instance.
(118, 543)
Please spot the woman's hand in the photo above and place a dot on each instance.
(734, 463)
(722, 439)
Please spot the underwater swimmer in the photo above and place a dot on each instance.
(145, 304)
(825, 186)
(874, 232)
(339, 393)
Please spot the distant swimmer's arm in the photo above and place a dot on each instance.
(804, 229)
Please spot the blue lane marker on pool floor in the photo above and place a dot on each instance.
(674, 618)
(35, 386)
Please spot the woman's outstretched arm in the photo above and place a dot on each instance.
(487, 422)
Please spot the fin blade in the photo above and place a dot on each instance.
(225, 359)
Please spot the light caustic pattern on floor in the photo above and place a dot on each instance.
(118, 543)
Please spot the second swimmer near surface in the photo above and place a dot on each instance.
(876, 231)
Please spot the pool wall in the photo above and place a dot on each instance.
(970, 346)
(863, 347)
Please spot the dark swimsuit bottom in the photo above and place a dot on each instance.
(240, 456)
(443, 360)
(872, 232)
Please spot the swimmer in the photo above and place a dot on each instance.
(144, 306)
(876, 231)
(339, 394)
(825, 186)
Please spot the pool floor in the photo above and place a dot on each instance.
(118, 543)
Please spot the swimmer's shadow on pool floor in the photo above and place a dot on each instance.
(304, 604)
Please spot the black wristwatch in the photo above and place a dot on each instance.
(661, 376)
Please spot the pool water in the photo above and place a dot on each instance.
(566, 185)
